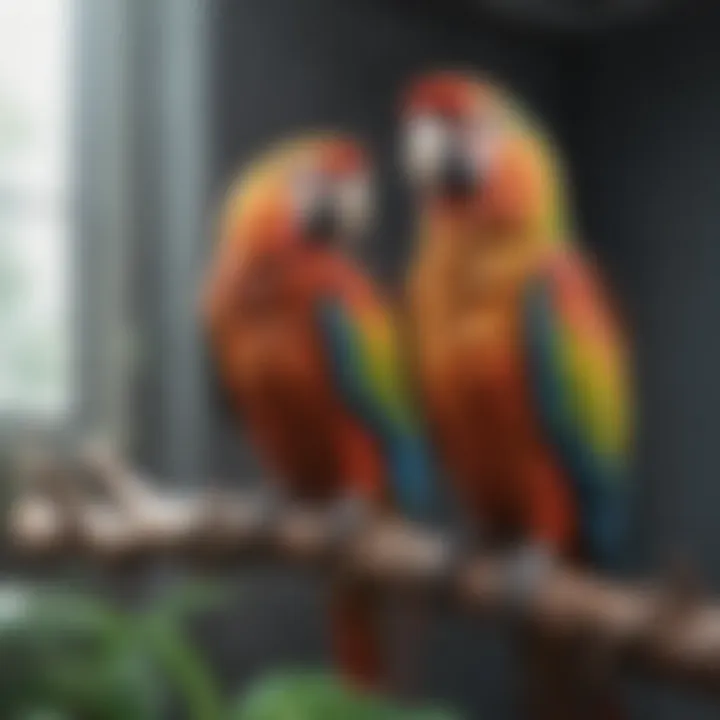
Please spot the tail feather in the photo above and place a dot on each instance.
(356, 638)
(413, 477)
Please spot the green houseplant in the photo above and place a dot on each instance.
(71, 655)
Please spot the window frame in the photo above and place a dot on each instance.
(139, 224)
(101, 210)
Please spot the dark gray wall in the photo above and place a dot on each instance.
(639, 116)
(647, 157)
(645, 149)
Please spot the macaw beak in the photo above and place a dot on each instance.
(458, 178)
(436, 160)
(322, 223)
(340, 213)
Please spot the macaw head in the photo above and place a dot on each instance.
(283, 223)
(468, 150)
(286, 216)
(309, 195)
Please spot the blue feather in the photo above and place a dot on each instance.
(598, 481)
(411, 468)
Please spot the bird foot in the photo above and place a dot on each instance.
(528, 569)
(460, 545)
(349, 516)
(270, 504)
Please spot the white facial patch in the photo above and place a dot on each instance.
(427, 140)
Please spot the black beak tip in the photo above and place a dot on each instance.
(321, 225)
(459, 178)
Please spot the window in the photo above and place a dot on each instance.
(35, 331)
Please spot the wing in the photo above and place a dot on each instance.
(361, 344)
(578, 374)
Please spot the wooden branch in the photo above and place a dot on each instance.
(665, 632)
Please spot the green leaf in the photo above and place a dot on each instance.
(79, 657)
(161, 632)
(186, 671)
(309, 695)
(190, 598)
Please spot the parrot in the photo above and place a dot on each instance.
(307, 350)
(522, 362)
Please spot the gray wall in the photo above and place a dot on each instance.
(639, 116)
(646, 154)
(647, 157)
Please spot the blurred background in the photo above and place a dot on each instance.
(121, 121)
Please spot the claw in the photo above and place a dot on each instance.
(349, 516)
(461, 543)
(678, 597)
(270, 504)
(528, 568)
(683, 590)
